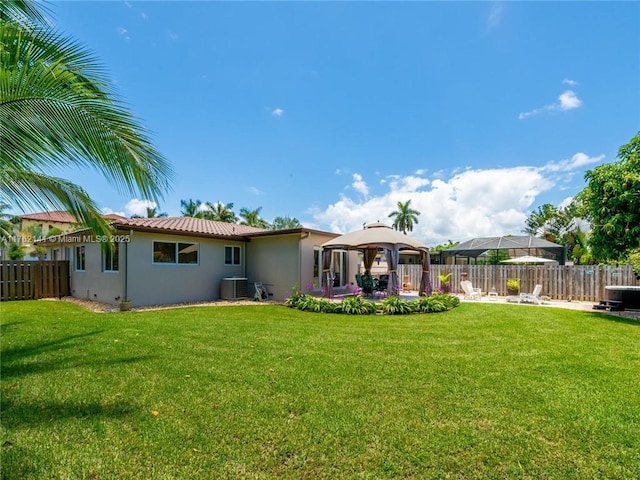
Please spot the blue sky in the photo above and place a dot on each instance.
(332, 112)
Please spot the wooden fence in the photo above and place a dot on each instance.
(34, 280)
(559, 282)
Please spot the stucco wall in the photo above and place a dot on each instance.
(283, 262)
(274, 261)
(93, 283)
(151, 284)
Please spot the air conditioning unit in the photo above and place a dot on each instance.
(234, 288)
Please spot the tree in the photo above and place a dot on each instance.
(284, 223)
(404, 217)
(541, 223)
(57, 108)
(152, 212)
(220, 212)
(190, 208)
(252, 218)
(7, 228)
(611, 202)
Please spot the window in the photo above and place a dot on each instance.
(232, 255)
(111, 259)
(80, 259)
(188, 253)
(175, 253)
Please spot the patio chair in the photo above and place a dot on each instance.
(533, 297)
(261, 294)
(381, 284)
(470, 293)
(365, 283)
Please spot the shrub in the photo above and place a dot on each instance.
(437, 302)
(356, 305)
(396, 306)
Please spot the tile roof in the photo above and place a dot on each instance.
(62, 216)
(187, 225)
(54, 216)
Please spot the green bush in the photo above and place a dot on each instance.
(451, 301)
(359, 305)
(394, 305)
(437, 302)
(309, 303)
(356, 305)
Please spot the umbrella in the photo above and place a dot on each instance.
(528, 259)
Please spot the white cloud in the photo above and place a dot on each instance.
(576, 162)
(567, 100)
(124, 33)
(571, 83)
(143, 15)
(138, 207)
(173, 36)
(359, 185)
(255, 191)
(278, 112)
(495, 15)
(127, 4)
(107, 211)
(460, 206)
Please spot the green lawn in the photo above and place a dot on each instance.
(482, 391)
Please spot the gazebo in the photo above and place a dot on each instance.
(373, 238)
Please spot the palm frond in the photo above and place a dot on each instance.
(29, 190)
(56, 108)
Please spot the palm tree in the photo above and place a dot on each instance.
(220, 212)
(190, 208)
(404, 217)
(7, 228)
(57, 108)
(284, 223)
(252, 218)
(152, 212)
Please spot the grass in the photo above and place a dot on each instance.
(482, 391)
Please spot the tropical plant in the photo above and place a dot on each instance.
(445, 281)
(450, 301)
(430, 304)
(7, 227)
(152, 212)
(284, 223)
(513, 284)
(15, 251)
(220, 212)
(57, 108)
(404, 217)
(611, 202)
(252, 218)
(394, 305)
(634, 260)
(356, 305)
(190, 208)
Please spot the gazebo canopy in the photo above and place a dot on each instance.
(477, 246)
(375, 235)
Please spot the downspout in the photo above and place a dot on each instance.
(126, 267)
(244, 263)
(300, 251)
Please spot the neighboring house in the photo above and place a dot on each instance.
(183, 259)
(47, 221)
